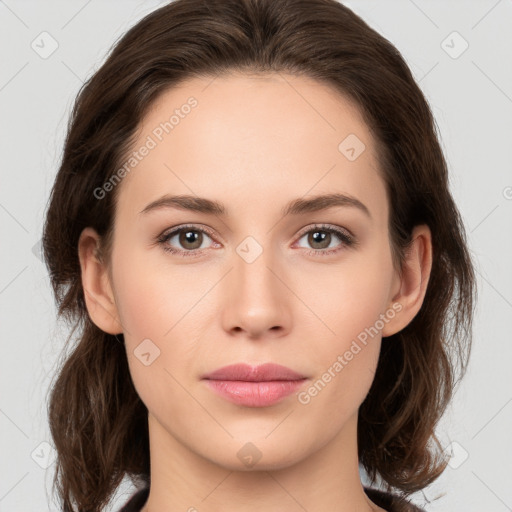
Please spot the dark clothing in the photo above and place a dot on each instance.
(137, 501)
(388, 501)
(391, 502)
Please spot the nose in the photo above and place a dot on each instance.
(256, 299)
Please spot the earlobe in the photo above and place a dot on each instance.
(98, 294)
(414, 280)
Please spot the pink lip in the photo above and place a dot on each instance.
(254, 386)
(246, 372)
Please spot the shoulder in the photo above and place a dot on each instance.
(391, 502)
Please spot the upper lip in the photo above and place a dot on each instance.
(261, 373)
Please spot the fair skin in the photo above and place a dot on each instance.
(253, 143)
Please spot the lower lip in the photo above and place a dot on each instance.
(255, 394)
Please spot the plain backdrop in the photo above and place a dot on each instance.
(460, 54)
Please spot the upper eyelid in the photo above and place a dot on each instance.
(325, 226)
(177, 229)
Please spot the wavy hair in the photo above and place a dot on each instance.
(96, 418)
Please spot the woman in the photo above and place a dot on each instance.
(253, 232)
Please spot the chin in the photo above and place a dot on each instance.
(259, 455)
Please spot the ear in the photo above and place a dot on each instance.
(99, 297)
(410, 289)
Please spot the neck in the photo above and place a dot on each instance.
(327, 479)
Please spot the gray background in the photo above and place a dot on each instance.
(470, 94)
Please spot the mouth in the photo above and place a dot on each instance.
(254, 386)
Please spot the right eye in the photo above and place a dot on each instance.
(189, 237)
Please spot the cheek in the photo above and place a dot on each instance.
(350, 301)
(346, 360)
(152, 297)
(163, 315)
(351, 308)
(153, 307)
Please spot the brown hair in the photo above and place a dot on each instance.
(97, 420)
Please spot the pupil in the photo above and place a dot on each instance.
(322, 236)
(189, 237)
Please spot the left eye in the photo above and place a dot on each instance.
(323, 237)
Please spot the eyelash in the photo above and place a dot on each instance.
(348, 240)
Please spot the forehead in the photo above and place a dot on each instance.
(244, 139)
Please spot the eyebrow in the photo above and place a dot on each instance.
(295, 207)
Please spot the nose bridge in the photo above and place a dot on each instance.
(256, 298)
(255, 266)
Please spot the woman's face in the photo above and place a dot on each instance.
(253, 284)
